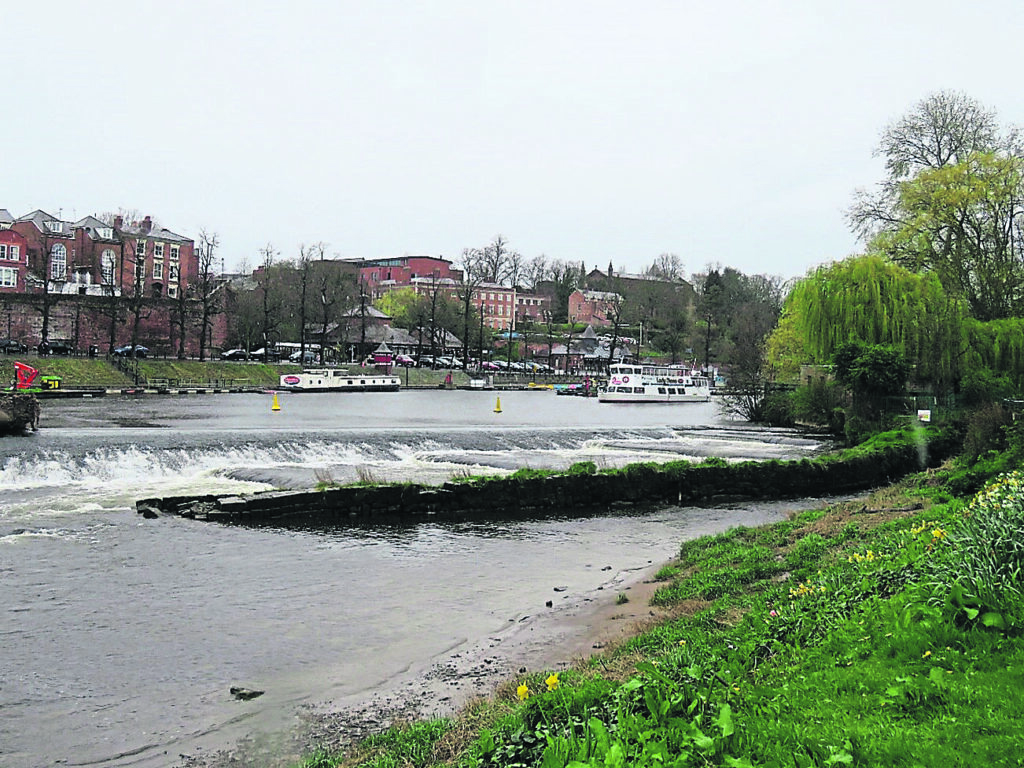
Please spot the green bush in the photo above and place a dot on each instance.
(818, 402)
(985, 431)
(980, 575)
(582, 468)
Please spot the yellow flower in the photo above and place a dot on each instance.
(523, 692)
(552, 682)
(938, 533)
(926, 654)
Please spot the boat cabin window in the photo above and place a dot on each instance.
(671, 390)
(661, 391)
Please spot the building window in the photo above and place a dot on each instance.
(158, 270)
(158, 250)
(58, 262)
(55, 226)
(15, 253)
(172, 291)
(3, 251)
(140, 273)
(108, 263)
(107, 233)
(140, 248)
(175, 251)
(172, 273)
(8, 277)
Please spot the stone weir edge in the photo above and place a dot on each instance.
(513, 496)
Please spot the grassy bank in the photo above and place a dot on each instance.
(881, 632)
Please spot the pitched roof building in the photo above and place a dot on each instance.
(94, 257)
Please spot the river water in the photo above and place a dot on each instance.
(121, 636)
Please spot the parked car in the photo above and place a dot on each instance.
(270, 355)
(138, 351)
(426, 361)
(306, 358)
(404, 360)
(12, 346)
(55, 347)
(234, 354)
(487, 365)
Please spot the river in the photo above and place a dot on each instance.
(122, 636)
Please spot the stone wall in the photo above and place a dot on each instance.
(531, 495)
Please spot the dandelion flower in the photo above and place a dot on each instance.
(552, 682)
(926, 654)
(523, 692)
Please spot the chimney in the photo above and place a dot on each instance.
(147, 224)
(118, 222)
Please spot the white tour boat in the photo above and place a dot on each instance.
(338, 380)
(629, 383)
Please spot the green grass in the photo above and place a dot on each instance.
(853, 635)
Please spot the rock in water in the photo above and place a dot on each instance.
(244, 694)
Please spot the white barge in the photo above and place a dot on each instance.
(654, 384)
(338, 380)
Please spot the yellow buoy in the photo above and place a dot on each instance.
(497, 406)
(276, 406)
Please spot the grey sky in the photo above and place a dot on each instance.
(731, 132)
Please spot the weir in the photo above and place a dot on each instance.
(581, 488)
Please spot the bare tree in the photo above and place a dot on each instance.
(334, 294)
(304, 264)
(494, 260)
(206, 290)
(667, 266)
(942, 129)
(270, 298)
(535, 271)
(472, 272)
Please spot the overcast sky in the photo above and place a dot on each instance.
(729, 132)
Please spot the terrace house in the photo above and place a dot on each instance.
(91, 257)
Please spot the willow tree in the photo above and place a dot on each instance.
(870, 300)
(998, 346)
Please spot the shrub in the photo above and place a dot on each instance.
(818, 403)
(982, 575)
(985, 431)
(582, 468)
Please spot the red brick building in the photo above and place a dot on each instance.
(379, 276)
(13, 257)
(498, 305)
(91, 257)
(81, 281)
(593, 307)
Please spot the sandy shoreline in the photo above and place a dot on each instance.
(554, 638)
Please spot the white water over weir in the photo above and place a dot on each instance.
(123, 636)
